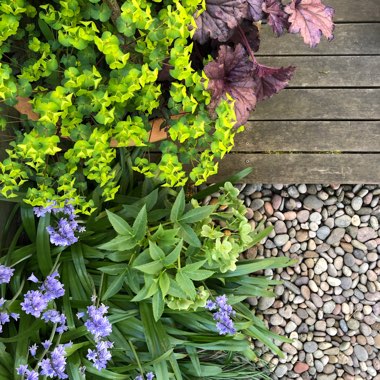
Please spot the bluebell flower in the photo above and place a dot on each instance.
(223, 315)
(149, 376)
(80, 314)
(34, 303)
(2, 302)
(56, 364)
(31, 375)
(15, 316)
(98, 324)
(139, 377)
(46, 344)
(4, 318)
(101, 355)
(33, 349)
(210, 305)
(6, 274)
(33, 278)
(42, 211)
(21, 369)
(52, 287)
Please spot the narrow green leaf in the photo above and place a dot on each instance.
(45, 29)
(43, 246)
(197, 214)
(178, 207)
(140, 224)
(158, 305)
(114, 286)
(185, 284)
(28, 221)
(80, 267)
(248, 267)
(156, 253)
(119, 224)
(147, 291)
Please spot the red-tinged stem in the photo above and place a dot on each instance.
(246, 44)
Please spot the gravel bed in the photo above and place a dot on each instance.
(329, 303)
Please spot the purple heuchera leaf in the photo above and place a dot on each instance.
(311, 19)
(271, 80)
(219, 19)
(232, 73)
(277, 18)
(255, 11)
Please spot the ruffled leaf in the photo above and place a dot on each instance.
(277, 18)
(271, 80)
(255, 11)
(232, 73)
(311, 19)
(219, 19)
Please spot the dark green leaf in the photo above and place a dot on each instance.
(119, 243)
(174, 254)
(150, 268)
(185, 284)
(200, 275)
(43, 246)
(140, 224)
(197, 214)
(178, 207)
(113, 269)
(156, 253)
(164, 283)
(114, 286)
(158, 305)
(119, 224)
(189, 235)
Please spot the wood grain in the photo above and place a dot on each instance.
(354, 11)
(330, 71)
(350, 39)
(309, 136)
(320, 104)
(303, 168)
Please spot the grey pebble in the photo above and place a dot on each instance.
(312, 202)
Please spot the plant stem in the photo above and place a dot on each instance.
(115, 8)
(246, 44)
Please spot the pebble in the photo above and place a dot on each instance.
(320, 266)
(329, 302)
(360, 353)
(312, 202)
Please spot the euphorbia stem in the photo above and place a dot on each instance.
(115, 8)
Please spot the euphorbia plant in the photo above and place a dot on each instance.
(97, 73)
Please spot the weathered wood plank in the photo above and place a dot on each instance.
(330, 71)
(352, 10)
(309, 136)
(350, 39)
(303, 168)
(320, 104)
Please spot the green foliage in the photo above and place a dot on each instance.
(96, 83)
(147, 258)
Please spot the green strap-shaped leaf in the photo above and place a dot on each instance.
(43, 246)
(115, 285)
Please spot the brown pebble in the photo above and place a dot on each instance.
(290, 215)
(300, 367)
(268, 208)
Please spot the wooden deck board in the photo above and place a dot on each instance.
(350, 39)
(303, 168)
(310, 136)
(353, 11)
(320, 104)
(330, 71)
